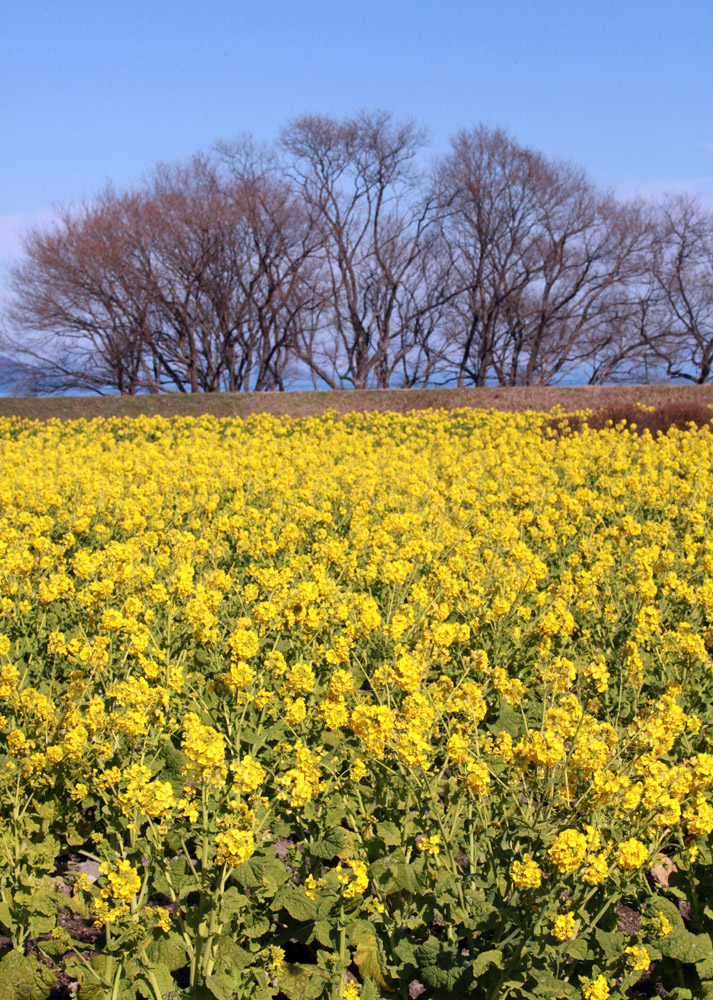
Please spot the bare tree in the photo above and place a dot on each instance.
(79, 318)
(681, 340)
(228, 258)
(243, 269)
(193, 284)
(358, 179)
(274, 261)
(536, 251)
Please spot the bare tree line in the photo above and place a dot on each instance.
(336, 258)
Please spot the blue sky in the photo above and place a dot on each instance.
(100, 91)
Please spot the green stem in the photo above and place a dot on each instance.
(117, 982)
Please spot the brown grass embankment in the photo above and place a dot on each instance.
(310, 403)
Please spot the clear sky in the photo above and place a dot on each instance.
(93, 91)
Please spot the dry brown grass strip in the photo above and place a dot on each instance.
(303, 404)
(636, 418)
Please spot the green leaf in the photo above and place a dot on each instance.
(230, 957)
(337, 843)
(359, 931)
(172, 761)
(611, 943)
(441, 966)
(221, 986)
(577, 949)
(389, 833)
(485, 959)
(405, 952)
(174, 874)
(6, 919)
(302, 982)
(170, 950)
(158, 974)
(369, 991)
(255, 924)
(260, 871)
(396, 876)
(24, 978)
(231, 903)
(369, 959)
(686, 947)
(297, 903)
(336, 810)
(554, 989)
(322, 933)
(508, 721)
(91, 991)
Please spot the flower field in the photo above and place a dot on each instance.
(378, 706)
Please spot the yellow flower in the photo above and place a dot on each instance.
(595, 989)
(596, 870)
(526, 873)
(430, 845)
(248, 774)
(457, 748)
(79, 792)
(295, 711)
(637, 957)
(340, 683)
(631, 854)
(351, 990)
(358, 770)
(661, 924)
(568, 850)
(205, 749)
(242, 644)
(276, 959)
(234, 847)
(123, 882)
(354, 878)
(477, 778)
(699, 817)
(564, 926)
(300, 677)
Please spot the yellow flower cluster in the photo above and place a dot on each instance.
(388, 658)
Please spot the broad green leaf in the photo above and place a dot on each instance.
(577, 949)
(158, 975)
(337, 843)
(297, 903)
(222, 986)
(230, 957)
(324, 932)
(686, 947)
(390, 833)
(254, 925)
(170, 950)
(369, 960)
(369, 991)
(612, 943)
(302, 982)
(485, 959)
(24, 978)
(232, 902)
